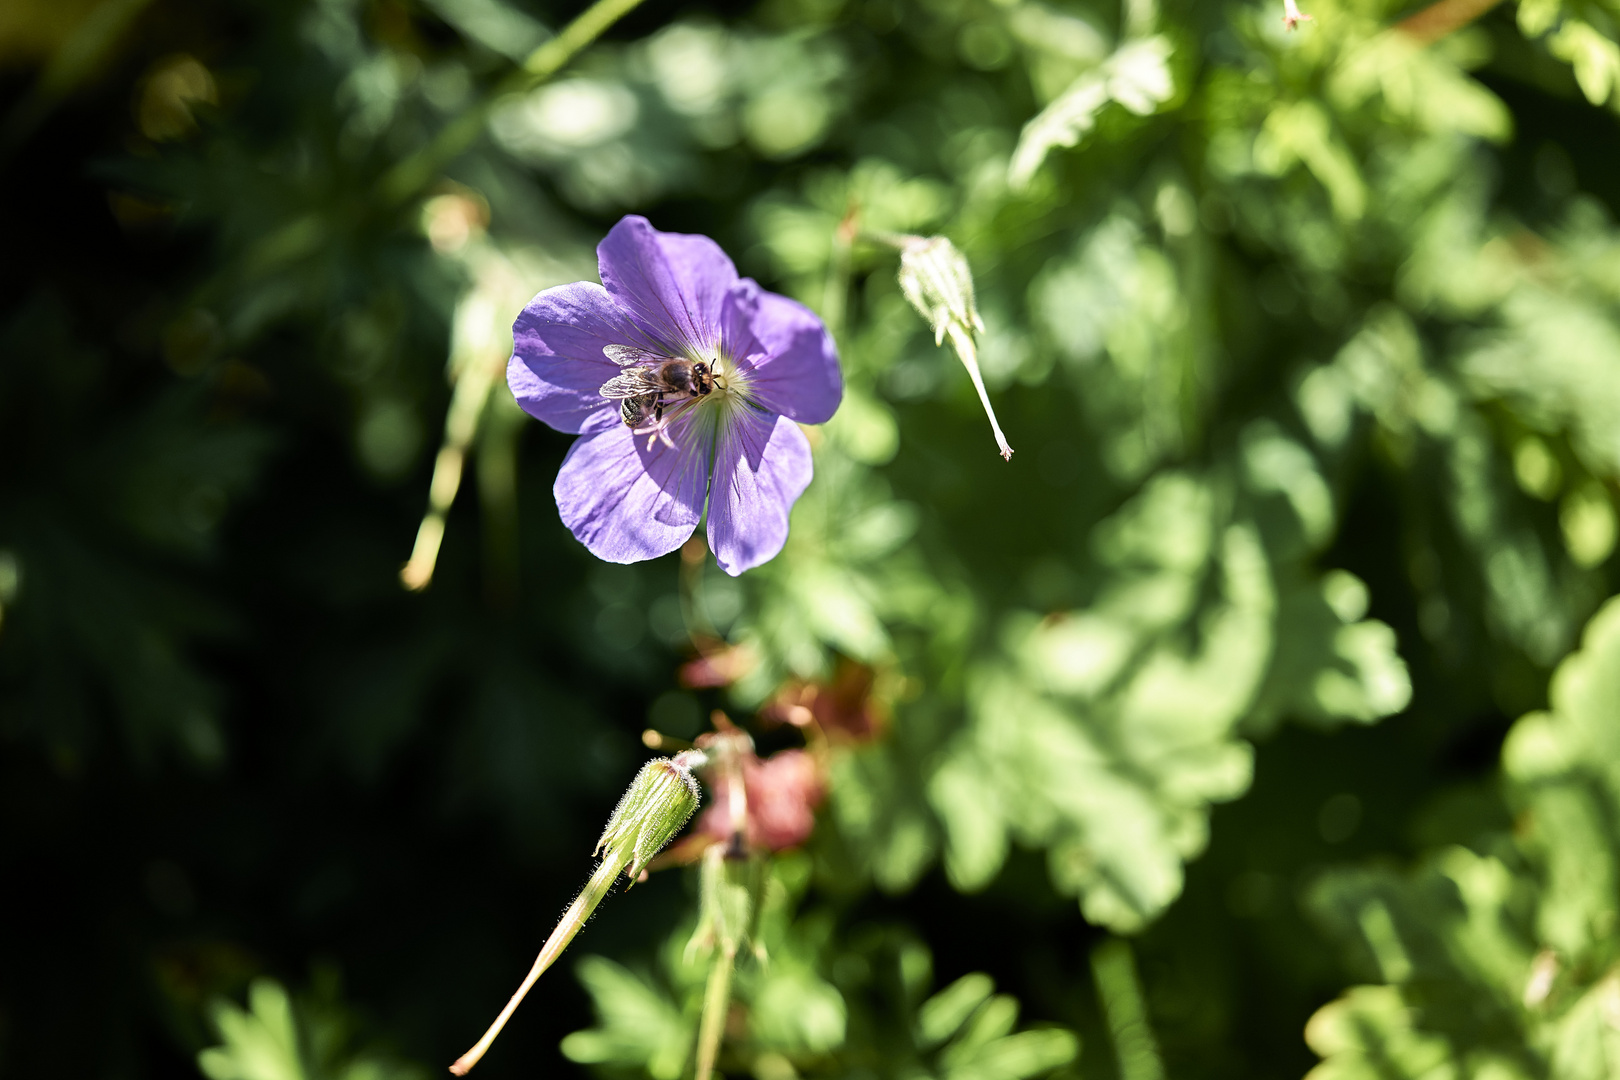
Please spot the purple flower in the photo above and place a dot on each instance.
(687, 385)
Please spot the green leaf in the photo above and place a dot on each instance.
(1105, 734)
(274, 1039)
(637, 1024)
(943, 1015)
(1501, 960)
(1136, 76)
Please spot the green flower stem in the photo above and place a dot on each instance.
(730, 903)
(716, 1002)
(467, 404)
(420, 169)
(1114, 969)
(567, 927)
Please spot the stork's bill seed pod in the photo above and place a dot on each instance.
(661, 799)
(658, 802)
(936, 278)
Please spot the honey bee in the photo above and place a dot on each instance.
(654, 382)
(634, 411)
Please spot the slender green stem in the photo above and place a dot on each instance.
(421, 168)
(567, 927)
(549, 58)
(467, 404)
(1114, 969)
(716, 1001)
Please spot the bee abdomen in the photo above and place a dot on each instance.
(633, 411)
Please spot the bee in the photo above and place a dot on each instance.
(634, 411)
(656, 381)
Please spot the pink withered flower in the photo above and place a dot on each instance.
(783, 791)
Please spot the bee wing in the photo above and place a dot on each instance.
(633, 383)
(629, 354)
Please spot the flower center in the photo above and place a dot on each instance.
(730, 384)
(726, 375)
(655, 391)
(719, 409)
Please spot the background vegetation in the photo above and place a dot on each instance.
(1242, 724)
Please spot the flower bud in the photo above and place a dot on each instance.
(660, 800)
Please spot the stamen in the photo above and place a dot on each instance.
(658, 430)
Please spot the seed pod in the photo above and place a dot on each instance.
(660, 800)
(936, 279)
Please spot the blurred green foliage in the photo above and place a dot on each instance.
(799, 1021)
(273, 1040)
(1496, 955)
(1267, 690)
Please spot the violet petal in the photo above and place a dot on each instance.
(627, 502)
(761, 467)
(557, 365)
(671, 284)
(784, 352)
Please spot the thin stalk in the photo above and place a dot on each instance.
(656, 740)
(567, 927)
(467, 402)
(936, 279)
(716, 1001)
(420, 169)
(1114, 969)
(968, 353)
(729, 911)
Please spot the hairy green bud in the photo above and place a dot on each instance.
(660, 800)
